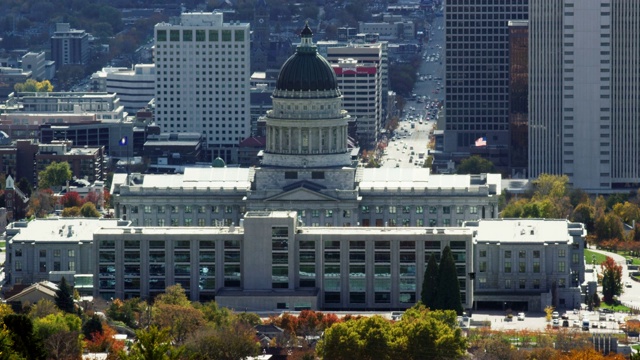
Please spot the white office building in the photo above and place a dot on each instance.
(583, 97)
(202, 79)
(135, 87)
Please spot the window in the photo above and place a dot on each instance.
(317, 175)
(228, 209)
(392, 210)
(43, 253)
(459, 210)
(522, 284)
(562, 253)
(522, 267)
(406, 209)
(473, 209)
(483, 266)
(420, 210)
(56, 253)
(507, 254)
(536, 254)
(446, 210)
(43, 266)
(147, 209)
(482, 283)
(239, 35)
(290, 175)
(188, 209)
(161, 209)
(483, 253)
(536, 283)
(365, 209)
(507, 266)
(432, 210)
(202, 209)
(561, 266)
(174, 209)
(562, 283)
(522, 254)
(315, 213)
(346, 213)
(18, 265)
(575, 258)
(507, 284)
(328, 213)
(71, 253)
(18, 252)
(536, 266)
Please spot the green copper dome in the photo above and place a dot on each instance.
(306, 70)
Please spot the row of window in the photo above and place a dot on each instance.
(42, 266)
(43, 253)
(200, 35)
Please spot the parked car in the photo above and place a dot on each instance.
(556, 323)
(521, 316)
(555, 315)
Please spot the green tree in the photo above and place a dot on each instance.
(89, 210)
(64, 297)
(153, 344)
(584, 213)
(431, 334)
(216, 315)
(173, 295)
(92, 326)
(7, 351)
(364, 339)
(179, 319)
(430, 283)
(553, 186)
(43, 308)
(448, 292)
(232, 341)
(25, 343)
(475, 165)
(608, 226)
(611, 279)
(627, 211)
(56, 174)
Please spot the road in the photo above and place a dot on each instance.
(424, 109)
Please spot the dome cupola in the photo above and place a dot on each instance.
(306, 70)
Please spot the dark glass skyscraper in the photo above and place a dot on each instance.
(477, 70)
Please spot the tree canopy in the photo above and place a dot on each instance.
(448, 291)
(430, 283)
(611, 279)
(64, 297)
(475, 165)
(56, 174)
(32, 85)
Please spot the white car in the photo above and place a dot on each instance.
(521, 316)
(555, 315)
(627, 284)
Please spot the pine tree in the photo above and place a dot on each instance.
(448, 290)
(64, 297)
(430, 283)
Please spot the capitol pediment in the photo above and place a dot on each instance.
(301, 194)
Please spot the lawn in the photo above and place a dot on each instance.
(614, 307)
(588, 257)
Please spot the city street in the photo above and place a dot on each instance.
(420, 113)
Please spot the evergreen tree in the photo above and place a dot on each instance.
(64, 297)
(448, 290)
(430, 283)
(25, 342)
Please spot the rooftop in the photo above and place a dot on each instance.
(58, 229)
(548, 231)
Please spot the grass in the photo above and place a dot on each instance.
(615, 307)
(3, 244)
(588, 257)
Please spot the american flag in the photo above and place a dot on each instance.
(481, 141)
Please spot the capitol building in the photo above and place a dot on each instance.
(308, 168)
(308, 228)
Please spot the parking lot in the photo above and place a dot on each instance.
(538, 322)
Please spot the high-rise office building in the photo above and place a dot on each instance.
(584, 90)
(518, 98)
(372, 55)
(477, 70)
(364, 106)
(202, 80)
(69, 46)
